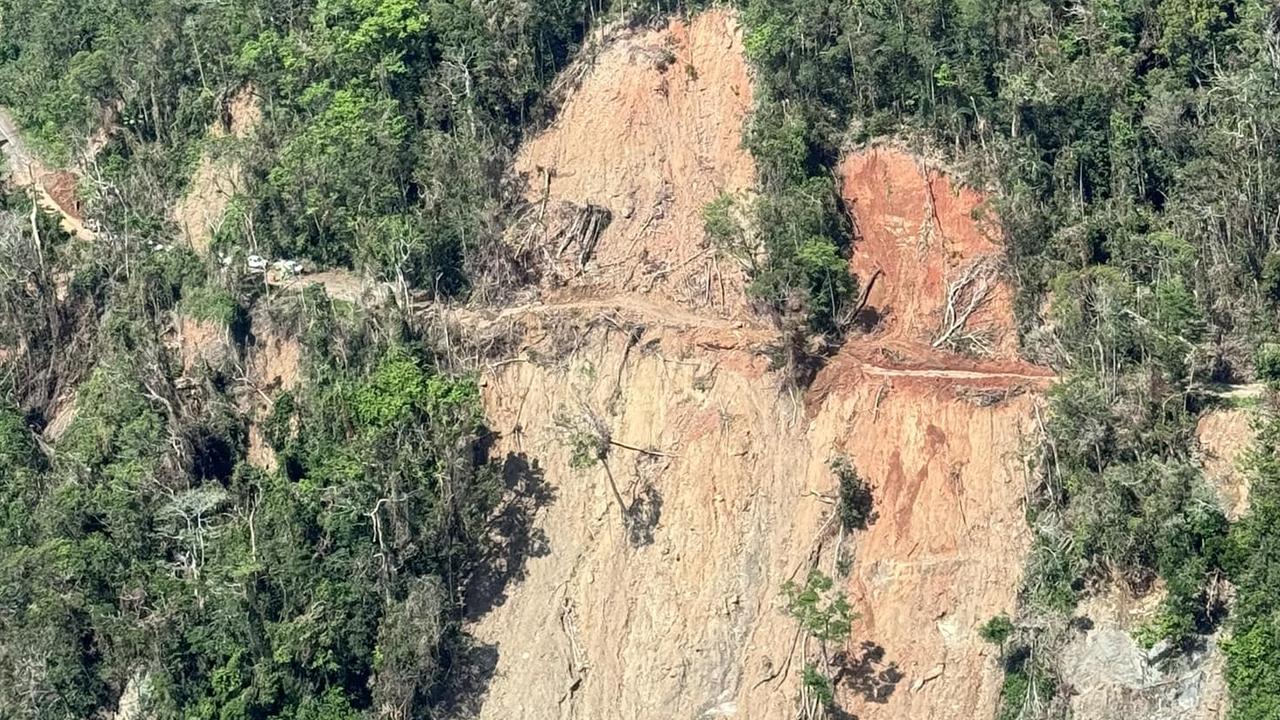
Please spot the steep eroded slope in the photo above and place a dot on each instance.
(676, 612)
(651, 135)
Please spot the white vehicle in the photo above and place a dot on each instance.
(288, 267)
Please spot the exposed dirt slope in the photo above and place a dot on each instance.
(682, 619)
(689, 625)
(946, 551)
(1224, 436)
(273, 364)
(652, 134)
(218, 173)
(198, 343)
(678, 615)
(922, 235)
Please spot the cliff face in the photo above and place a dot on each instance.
(676, 611)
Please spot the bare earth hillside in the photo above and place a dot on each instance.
(55, 190)
(218, 173)
(682, 618)
(666, 481)
(651, 135)
(644, 334)
(1224, 436)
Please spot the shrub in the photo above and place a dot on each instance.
(819, 685)
(1028, 686)
(276, 429)
(1266, 362)
(855, 504)
(826, 617)
(720, 222)
(823, 616)
(211, 304)
(996, 630)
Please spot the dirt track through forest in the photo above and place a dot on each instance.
(29, 171)
(346, 285)
(349, 286)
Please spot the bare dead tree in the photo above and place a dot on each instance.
(965, 295)
(590, 442)
(585, 228)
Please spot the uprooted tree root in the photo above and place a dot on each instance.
(585, 227)
(966, 294)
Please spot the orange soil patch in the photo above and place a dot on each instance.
(917, 233)
(200, 342)
(939, 435)
(946, 550)
(61, 187)
(274, 364)
(921, 232)
(653, 134)
(691, 626)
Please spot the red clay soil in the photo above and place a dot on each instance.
(920, 232)
(939, 435)
(916, 233)
(61, 186)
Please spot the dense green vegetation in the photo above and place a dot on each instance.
(241, 593)
(795, 134)
(1131, 149)
(140, 548)
(1254, 562)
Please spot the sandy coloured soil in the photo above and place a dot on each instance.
(687, 622)
(652, 133)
